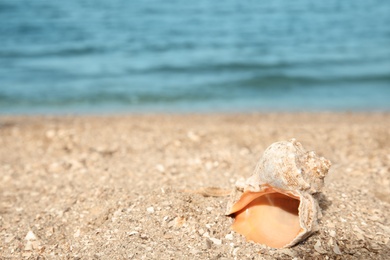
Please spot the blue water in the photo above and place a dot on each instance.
(84, 56)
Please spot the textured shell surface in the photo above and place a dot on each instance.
(286, 176)
(286, 165)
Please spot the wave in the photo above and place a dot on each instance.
(224, 90)
(210, 68)
(273, 81)
(255, 66)
(100, 98)
(65, 52)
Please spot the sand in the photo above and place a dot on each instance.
(130, 186)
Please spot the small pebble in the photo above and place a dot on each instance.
(216, 241)
(77, 233)
(207, 244)
(336, 248)
(318, 247)
(30, 236)
(150, 210)
(193, 251)
(160, 168)
(229, 236)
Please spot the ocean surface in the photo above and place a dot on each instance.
(99, 56)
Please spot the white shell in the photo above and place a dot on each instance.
(286, 168)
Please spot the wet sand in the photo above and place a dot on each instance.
(121, 187)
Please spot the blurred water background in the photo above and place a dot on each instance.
(99, 56)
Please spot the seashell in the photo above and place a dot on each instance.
(276, 206)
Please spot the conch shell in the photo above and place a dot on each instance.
(276, 206)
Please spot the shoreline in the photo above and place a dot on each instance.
(112, 186)
(193, 112)
(116, 116)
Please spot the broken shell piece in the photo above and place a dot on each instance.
(275, 205)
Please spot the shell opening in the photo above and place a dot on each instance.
(270, 218)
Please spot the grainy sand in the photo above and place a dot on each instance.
(117, 187)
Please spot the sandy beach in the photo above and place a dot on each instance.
(131, 186)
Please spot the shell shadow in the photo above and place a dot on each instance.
(323, 201)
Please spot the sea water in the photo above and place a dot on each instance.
(99, 56)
